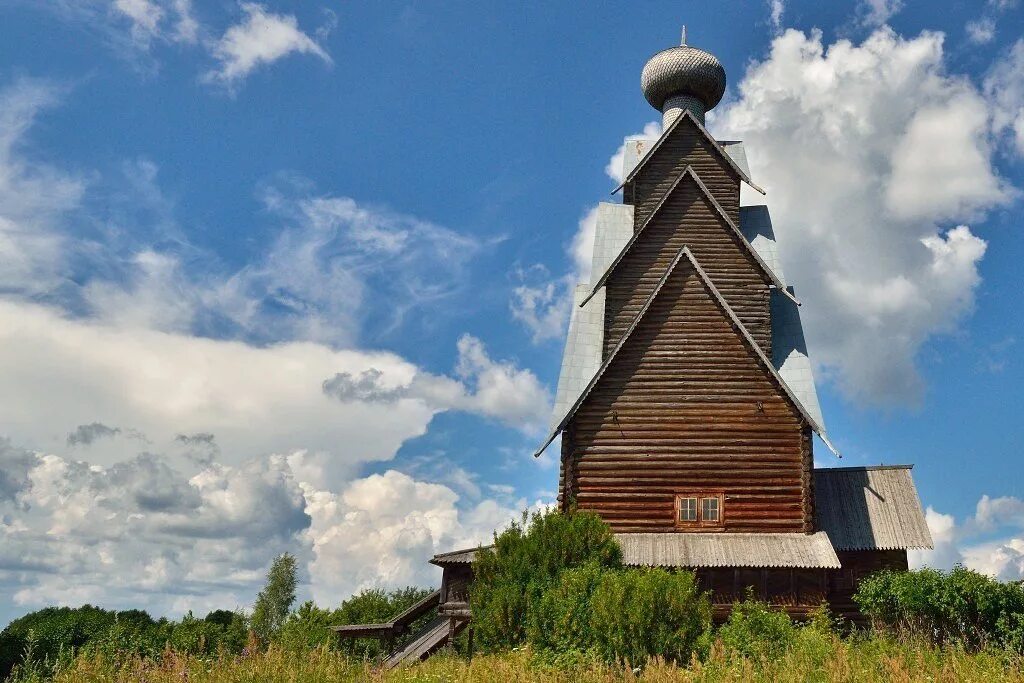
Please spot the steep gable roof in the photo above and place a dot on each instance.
(733, 319)
(689, 171)
(704, 131)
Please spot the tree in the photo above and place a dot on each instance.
(276, 599)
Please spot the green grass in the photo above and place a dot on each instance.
(813, 656)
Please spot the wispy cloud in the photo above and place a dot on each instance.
(261, 38)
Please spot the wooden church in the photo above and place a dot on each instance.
(686, 403)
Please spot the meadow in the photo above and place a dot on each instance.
(813, 656)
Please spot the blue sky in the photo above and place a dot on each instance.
(281, 276)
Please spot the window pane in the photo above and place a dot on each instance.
(709, 513)
(687, 509)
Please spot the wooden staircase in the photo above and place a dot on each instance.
(434, 635)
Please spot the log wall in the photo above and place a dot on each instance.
(686, 146)
(686, 406)
(687, 218)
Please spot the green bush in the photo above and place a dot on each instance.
(756, 630)
(527, 559)
(960, 607)
(560, 621)
(637, 614)
(58, 631)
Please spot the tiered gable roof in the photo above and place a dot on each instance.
(723, 305)
(688, 171)
(688, 116)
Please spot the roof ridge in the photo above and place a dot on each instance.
(721, 212)
(733, 318)
(714, 143)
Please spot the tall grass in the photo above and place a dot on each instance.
(812, 656)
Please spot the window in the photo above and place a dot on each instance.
(702, 509)
(687, 509)
(709, 509)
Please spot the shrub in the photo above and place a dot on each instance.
(61, 630)
(526, 559)
(560, 621)
(961, 606)
(757, 631)
(637, 614)
(307, 628)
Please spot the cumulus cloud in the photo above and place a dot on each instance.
(613, 168)
(143, 533)
(379, 530)
(989, 541)
(179, 389)
(852, 142)
(261, 38)
(494, 389)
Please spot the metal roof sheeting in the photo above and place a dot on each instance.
(582, 356)
(870, 508)
(789, 353)
(805, 551)
(738, 153)
(756, 226)
(613, 228)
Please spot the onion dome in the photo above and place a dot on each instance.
(683, 77)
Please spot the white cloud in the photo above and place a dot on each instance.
(868, 153)
(1004, 86)
(145, 16)
(261, 38)
(776, 8)
(141, 533)
(34, 197)
(988, 542)
(878, 12)
(499, 389)
(981, 31)
(542, 303)
(380, 530)
(613, 168)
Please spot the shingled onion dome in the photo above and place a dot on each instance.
(680, 78)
